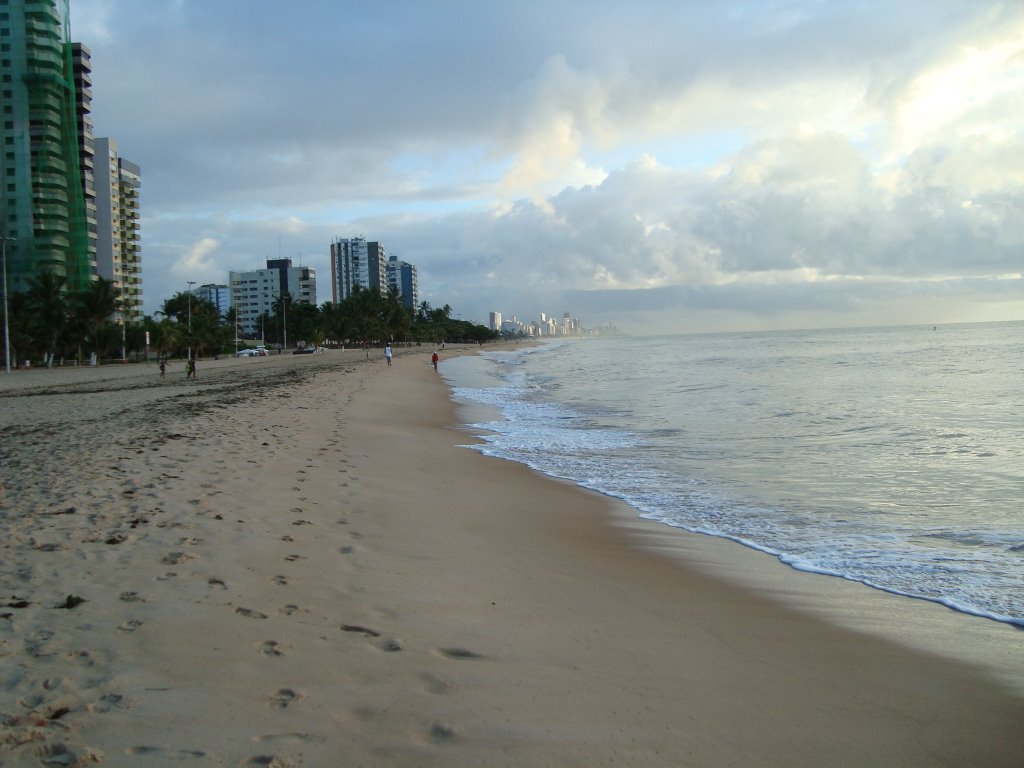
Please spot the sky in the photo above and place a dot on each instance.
(678, 166)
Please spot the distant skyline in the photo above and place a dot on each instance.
(681, 165)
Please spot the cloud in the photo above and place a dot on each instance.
(797, 157)
(196, 263)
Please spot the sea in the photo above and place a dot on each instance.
(888, 456)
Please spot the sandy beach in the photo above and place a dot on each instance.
(292, 561)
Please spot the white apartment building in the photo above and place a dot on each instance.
(356, 262)
(118, 252)
(253, 293)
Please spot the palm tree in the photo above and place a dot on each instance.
(48, 304)
(20, 328)
(93, 309)
(165, 334)
(281, 307)
(423, 311)
(334, 321)
(397, 317)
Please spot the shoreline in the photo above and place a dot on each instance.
(298, 563)
(930, 626)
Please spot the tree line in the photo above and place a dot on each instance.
(49, 324)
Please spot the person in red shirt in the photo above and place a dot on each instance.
(433, 359)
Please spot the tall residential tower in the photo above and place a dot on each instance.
(45, 180)
(118, 253)
(402, 277)
(357, 263)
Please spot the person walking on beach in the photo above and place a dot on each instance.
(433, 359)
(190, 368)
(163, 367)
(388, 353)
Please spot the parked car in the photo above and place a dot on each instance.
(247, 353)
(261, 351)
(304, 351)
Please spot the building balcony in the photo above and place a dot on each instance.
(40, 37)
(40, 53)
(50, 181)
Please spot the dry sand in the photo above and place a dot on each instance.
(291, 562)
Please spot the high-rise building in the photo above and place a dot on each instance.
(218, 295)
(357, 263)
(495, 321)
(253, 293)
(82, 58)
(46, 138)
(118, 251)
(402, 277)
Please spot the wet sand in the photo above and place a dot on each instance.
(290, 561)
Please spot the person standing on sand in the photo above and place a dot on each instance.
(433, 359)
(190, 368)
(163, 367)
(388, 353)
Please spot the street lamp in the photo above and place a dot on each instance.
(7, 328)
(190, 284)
(284, 309)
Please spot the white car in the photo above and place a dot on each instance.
(247, 353)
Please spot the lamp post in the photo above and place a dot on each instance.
(7, 328)
(190, 284)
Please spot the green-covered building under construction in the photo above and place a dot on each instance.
(48, 208)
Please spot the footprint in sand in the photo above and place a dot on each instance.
(283, 697)
(61, 754)
(250, 614)
(175, 558)
(52, 683)
(270, 761)
(360, 629)
(271, 648)
(440, 734)
(459, 654)
(280, 580)
(170, 754)
(130, 626)
(435, 685)
(108, 702)
(293, 558)
(306, 738)
(288, 610)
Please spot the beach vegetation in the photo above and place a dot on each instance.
(49, 323)
(48, 310)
